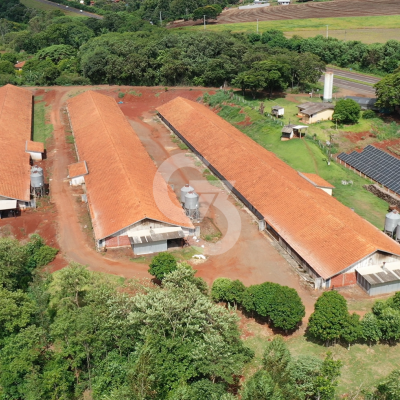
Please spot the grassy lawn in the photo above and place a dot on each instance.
(42, 130)
(181, 254)
(46, 7)
(362, 365)
(366, 29)
(306, 156)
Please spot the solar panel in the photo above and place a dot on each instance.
(376, 164)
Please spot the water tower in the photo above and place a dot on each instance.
(328, 86)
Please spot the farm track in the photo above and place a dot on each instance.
(338, 8)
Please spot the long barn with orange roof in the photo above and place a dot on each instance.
(327, 239)
(130, 203)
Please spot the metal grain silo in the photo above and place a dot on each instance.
(184, 191)
(392, 219)
(398, 233)
(191, 200)
(37, 178)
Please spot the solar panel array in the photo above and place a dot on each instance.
(376, 164)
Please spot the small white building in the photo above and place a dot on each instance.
(284, 2)
(77, 172)
(278, 111)
(35, 150)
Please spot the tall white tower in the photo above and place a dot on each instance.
(328, 86)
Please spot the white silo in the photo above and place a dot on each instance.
(328, 86)
(184, 191)
(392, 219)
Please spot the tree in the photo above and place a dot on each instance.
(210, 12)
(188, 336)
(287, 309)
(352, 329)
(261, 387)
(389, 324)
(162, 264)
(223, 289)
(347, 111)
(56, 53)
(370, 330)
(276, 359)
(327, 381)
(183, 274)
(388, 91)
(6, 67)
(303, 372)
(327, 322)
(389, 389)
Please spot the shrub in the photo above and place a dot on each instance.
(368, 114)
(223, 289)
(45, 255)
(162, 264)
(71, 79)
(121, 95)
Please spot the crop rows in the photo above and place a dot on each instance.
(339, 8)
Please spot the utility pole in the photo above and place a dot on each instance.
(160, 19)
(204, 19)
(257, 25)
(327, 32)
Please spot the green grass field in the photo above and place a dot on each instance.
(365, 29)
(46, 7)
(362, 365)
(306, 156)
(41, 129)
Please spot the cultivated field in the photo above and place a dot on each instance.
(321, 10)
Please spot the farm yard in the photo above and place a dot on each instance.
(332, 10)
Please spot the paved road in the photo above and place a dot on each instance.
(354, 75)
(70, 9)
(361, 88)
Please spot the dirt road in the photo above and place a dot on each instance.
(71, 239)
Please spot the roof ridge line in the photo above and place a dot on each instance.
(113, 143)
(306, 193)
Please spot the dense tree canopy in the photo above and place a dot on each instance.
(347, 111)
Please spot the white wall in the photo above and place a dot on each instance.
(35, 155)
(79, 180)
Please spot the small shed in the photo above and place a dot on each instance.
(380, 278)
(366, 103)
(310, 112)
(278, 111)
(19, 65)
(283, 2)
(35, 149)
(291, 131)
(77, 172)
(318, 182)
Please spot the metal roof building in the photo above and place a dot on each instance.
(328, 239)
(15, 132)
(122, 182)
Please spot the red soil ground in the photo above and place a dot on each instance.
(253, 259)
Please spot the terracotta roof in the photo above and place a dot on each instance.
(20, 64)
(316, 180)
(36, 147)
(121, 173)
(77, 169)
(310, 108)
(15, 130)
(326, 234)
